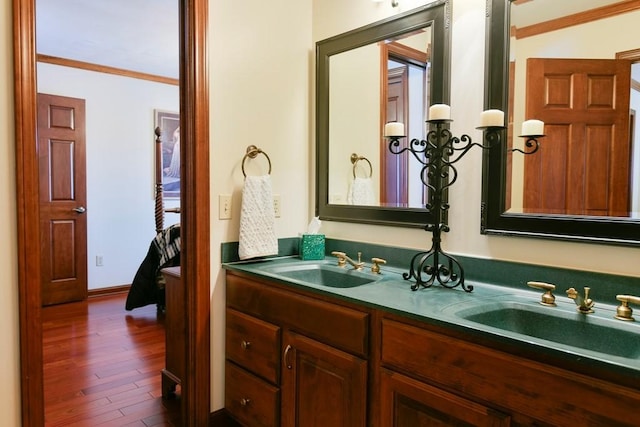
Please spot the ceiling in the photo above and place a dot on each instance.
(137, 35)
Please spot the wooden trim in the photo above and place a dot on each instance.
(72, 63)
(632, 55)
(112, 290)
(194, 217)
(578, 18)
(29, 292)
(405, 51)
(194, 107)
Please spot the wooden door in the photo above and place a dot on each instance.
(407, 402)
(582, 167)
(394, 181)
(321, 386)
(63, 199)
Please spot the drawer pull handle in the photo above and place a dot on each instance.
(245, 402)
(245, 344)
(286, 357)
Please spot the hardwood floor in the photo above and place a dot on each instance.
(102, 365)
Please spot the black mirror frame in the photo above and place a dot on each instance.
(436, 14)
(495, 220)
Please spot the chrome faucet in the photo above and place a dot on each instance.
(343, 259)
(584, 305)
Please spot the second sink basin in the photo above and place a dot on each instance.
(324, 275)
(588, 332)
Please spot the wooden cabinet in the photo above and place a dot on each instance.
(407, 402)
(292, 359)
(321, 386)
(174, 332)
(530, 392)
(297, 358)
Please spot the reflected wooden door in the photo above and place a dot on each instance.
(582, 167)
(63, 198)
(394, 191)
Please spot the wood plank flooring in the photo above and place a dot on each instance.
(102, 365)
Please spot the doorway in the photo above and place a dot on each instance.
(194, 99)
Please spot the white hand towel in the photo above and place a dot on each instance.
(257, 219)
(361, 192)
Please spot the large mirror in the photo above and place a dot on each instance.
(570, 66)
(391, 70)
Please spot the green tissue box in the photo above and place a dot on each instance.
(311, 246)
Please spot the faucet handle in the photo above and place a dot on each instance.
(624, 312)
(547, 298)
(375, 264)
(342, 258)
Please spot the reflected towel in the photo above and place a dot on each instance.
(257, 219)
(361, 192)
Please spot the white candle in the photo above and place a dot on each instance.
(532, 127)
(394, 129)
(492, 118)
(439, 112)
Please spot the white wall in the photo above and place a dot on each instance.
(120, 164)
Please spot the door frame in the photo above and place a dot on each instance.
(194, 107)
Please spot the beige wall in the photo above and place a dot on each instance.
(260, 95)
(9, 331)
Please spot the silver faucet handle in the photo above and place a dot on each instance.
(547, 298)
(624, 312)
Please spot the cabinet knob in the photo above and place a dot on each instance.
(244, 401)
(245, 344)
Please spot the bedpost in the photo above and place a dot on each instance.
(159, 199)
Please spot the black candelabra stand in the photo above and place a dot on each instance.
(438, 155)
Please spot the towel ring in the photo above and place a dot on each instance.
(252, 152)
(355, 159)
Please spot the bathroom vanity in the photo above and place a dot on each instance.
(379, 354)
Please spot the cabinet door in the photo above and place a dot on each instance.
(321, 386)
(410, 403)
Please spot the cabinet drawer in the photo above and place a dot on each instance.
(253, 344)
(511, 382)
(336, 325)
(250, 400)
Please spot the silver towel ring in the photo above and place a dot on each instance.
(355, 159)
(252, 152)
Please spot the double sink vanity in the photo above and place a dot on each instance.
(324, 343)
(313, 343)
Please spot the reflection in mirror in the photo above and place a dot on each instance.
(565, 63)
(355, 102)
(387, 71)
(564, 72)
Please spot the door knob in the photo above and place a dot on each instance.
(80, 209)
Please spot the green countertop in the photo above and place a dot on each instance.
(443, 307)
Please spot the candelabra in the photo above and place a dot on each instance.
(438, 155)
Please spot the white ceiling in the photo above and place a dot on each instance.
(138, 35)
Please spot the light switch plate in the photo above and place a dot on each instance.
(276, 205)
(224, 206)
